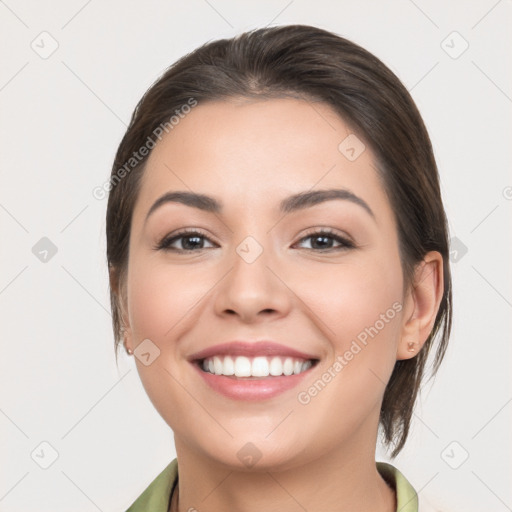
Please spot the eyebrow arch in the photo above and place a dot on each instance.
(308, 199)
(290, 204)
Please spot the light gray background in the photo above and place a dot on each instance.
(62, 118)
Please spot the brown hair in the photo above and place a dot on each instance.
(315, 65)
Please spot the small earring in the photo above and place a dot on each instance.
(129, 351)
(411, 346)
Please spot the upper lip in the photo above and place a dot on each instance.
(250, 349)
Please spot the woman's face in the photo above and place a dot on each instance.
(254, 270)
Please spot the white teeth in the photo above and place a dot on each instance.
(217, 365)
(288, 366)
(228, 366)
(276, 366)
(242, 366)
(259, 366)
(306, 365)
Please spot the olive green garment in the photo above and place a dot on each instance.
(156, 497)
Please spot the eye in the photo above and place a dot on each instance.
(322, 240)
(191, 240)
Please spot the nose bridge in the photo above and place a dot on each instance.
(251, 287)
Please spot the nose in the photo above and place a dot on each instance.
(253, 290)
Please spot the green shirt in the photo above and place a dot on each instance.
(156, 496)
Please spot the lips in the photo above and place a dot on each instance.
(251, 349)
(252, 370)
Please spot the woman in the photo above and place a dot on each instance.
(278, 256)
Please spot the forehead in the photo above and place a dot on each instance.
(256, 152)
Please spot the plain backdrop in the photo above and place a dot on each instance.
(71, 74)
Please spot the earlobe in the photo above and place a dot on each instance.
(127, 343)
(423, 300)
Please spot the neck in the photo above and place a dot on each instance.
(342, 481)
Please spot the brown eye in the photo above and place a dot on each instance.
(187, 241)
(323, 241)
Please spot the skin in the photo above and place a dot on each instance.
(250, 155)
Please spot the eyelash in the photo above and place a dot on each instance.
(165, 243)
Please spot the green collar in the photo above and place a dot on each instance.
(156, 496)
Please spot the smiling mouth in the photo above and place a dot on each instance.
(255, 367)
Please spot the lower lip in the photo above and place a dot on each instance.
(251, 389)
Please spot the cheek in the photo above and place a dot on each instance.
(359, 305)
(349, 299)
(360, 311)
(159, 297)
(161, 300)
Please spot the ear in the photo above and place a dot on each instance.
(117, 284)
(421, 305)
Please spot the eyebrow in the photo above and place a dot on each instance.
(290, 204)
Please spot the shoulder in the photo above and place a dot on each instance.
(407, 498)
(156, 496)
